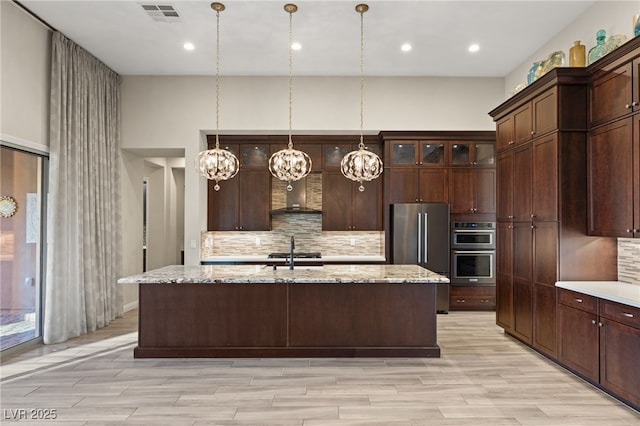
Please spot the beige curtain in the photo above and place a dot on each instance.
(83, 235)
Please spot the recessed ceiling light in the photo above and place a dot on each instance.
(474, 47)
(188, 46)
(296, 46)
(406, 47)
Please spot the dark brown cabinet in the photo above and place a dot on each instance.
(504, 276)
(346, 208)
(614, 145)
(578, 333)
(472, 298)
(541, 206)
(531, 119)
(614, 92)
(600, 340)
(471, 154)
(428, 185)
(472, 190)
(620, 350)
(614, 179)
(243, 202)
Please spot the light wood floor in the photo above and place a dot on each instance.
(482, 378)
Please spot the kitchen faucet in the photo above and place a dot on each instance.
(291, 247)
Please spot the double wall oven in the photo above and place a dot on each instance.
(473, 253)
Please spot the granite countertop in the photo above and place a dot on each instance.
(615, 291)
(324, 259)
(210, 274)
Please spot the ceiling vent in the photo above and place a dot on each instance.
(162, 12)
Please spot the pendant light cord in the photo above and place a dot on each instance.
(361, 145)
(217, 77)
(290, 75)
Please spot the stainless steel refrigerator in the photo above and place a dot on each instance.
(420, 235)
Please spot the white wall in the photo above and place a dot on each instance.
(24, 79)
(175, 112)
(615, 17)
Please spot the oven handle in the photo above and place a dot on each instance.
(474, 251)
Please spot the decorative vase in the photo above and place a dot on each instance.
(599, 50)
(636, 24)
(531, 75)
(577, 55)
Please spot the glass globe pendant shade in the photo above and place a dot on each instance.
(217, 164)
(290, 165)
(361, 166)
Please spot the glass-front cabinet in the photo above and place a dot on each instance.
(415, 152)
(472, 154)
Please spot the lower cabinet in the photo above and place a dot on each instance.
(472, 298)
(600, 341)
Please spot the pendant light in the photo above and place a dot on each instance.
(217, 164)
(290, 164)
(361, 165)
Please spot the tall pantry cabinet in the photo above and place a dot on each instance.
(542, 205)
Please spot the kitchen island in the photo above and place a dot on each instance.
(258, 311)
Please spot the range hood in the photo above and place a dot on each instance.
(296, 201)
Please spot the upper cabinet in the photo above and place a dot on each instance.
(230, 209)
(614, 92)
(614, 142)
(411, 153)
(472, 154)
(534, 118)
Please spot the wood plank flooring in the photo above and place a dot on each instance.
(483, 378)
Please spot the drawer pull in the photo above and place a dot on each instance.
(628, 315)
(460, 300)
(578, 300)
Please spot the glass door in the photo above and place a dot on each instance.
(22, 214)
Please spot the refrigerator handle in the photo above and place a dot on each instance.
(426, 237)
(419, 245)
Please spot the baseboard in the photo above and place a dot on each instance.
(130, 306)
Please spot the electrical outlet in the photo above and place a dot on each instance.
(193, 244)
(353, 241)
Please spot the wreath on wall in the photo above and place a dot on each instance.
(8, 206)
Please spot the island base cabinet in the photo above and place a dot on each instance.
(343, 315)
(200, 320)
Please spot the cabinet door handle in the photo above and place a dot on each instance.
(510, 142)
(600, 324)
(593, 322)
(630, 231)
(627, 106)
(510, 217)
(578, 300)
(510, 227)
(627, 314)
(461, 301)
(533, 227)
(533, 132)
(635, 104)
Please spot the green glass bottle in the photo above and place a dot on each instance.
(599, 50)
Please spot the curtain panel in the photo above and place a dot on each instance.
(84, 232)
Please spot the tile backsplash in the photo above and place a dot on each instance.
(307, 229)
(629, 260)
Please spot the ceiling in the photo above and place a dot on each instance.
(254, 35)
